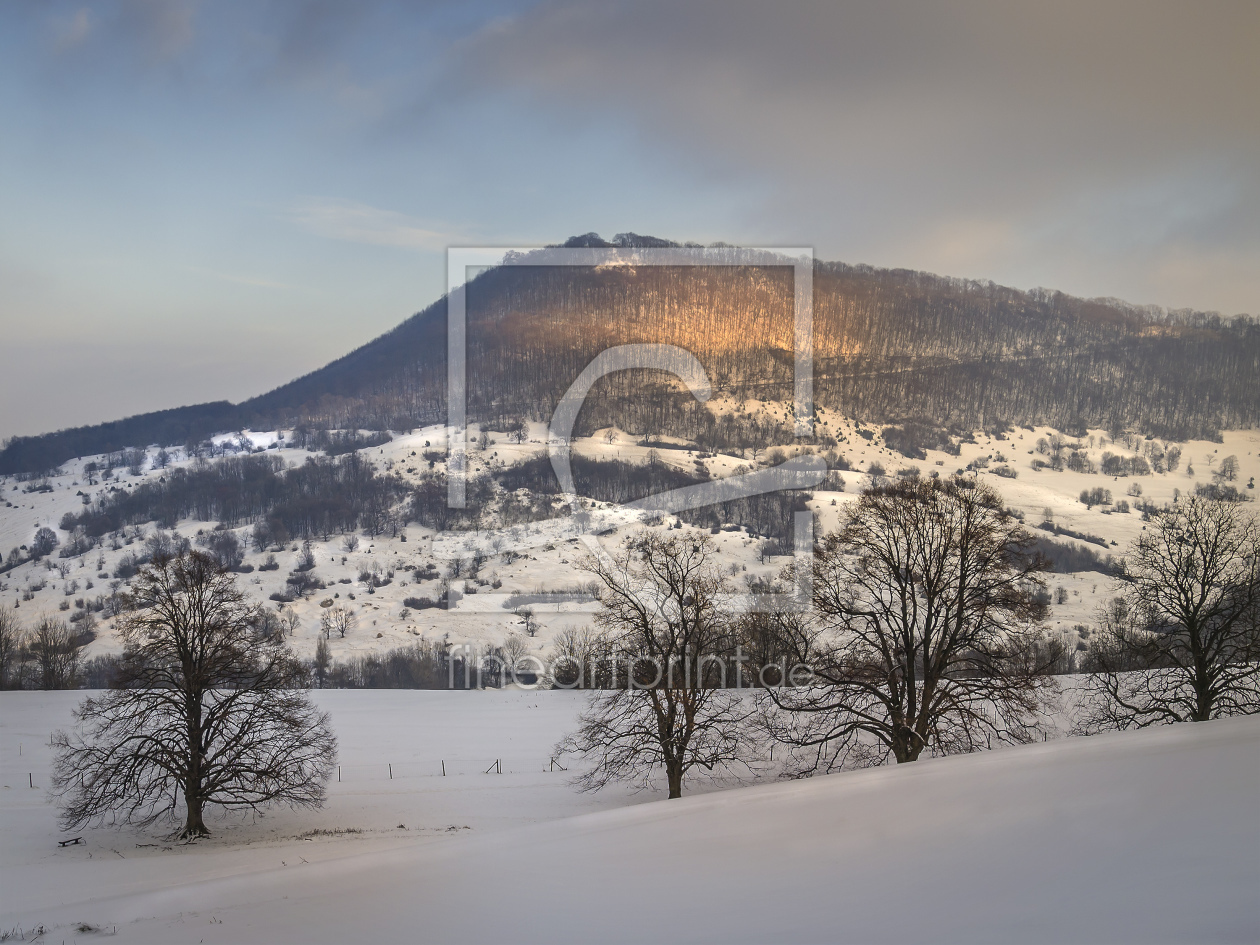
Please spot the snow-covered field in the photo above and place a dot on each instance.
(392, 794)
(1142, 837)
(1136, 837)
(381, 620)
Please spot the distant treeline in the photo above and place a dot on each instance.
(319, 498)
(609, 480)
(425, 664)
(1067, 557)
(605, 480)
(422, 665)
(323, 497)
(27, 454)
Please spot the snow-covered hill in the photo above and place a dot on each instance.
(1146, 837)
(39, 588)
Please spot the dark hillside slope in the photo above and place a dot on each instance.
(30, 454)
(889, 345)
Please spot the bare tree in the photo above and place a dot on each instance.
(11, 641)
(227, 550)
(1229, 469)
(377, 507)
(580, 659)
(55, 649)
(290, 622)
(1057, 446)
(508, 659)
(163, 544)
(206, 710)
(518, 430)
(306, 558)
(1181, 640)
(529, 623)
(322, 662)
(43, 543)
(302, 583)
(339, 620)
(664, 622)
(928, 634)
(514, 648)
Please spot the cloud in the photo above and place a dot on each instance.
(71, 31)
(360, 223)
(1121, 127)
(130, 37)
(164, 28)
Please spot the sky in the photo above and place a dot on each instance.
(200, 201)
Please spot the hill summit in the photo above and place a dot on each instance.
(890, 345)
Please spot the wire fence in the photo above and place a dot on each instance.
(360, 773)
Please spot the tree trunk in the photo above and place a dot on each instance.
(193, 799)
(1204, 698)
(194, 827)
(1202, 680)
(674, 773)
(906, 744)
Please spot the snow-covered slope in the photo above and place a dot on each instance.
(1145, 837)
(384, 620)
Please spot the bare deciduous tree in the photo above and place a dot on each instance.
(529, 623)
(322, 662)
(518, 430)
(514, 648)
(1181, 640)
(508, 660)
(580, 659)
(55, 649)
(290, 622)
(306, 559)
(663, 619)
(928, 634)
(207, 712)
(11, 640)
(338, 620)
(43, 543)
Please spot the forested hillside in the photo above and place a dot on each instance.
(889, 345)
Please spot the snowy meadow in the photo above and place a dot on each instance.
(1046, 843)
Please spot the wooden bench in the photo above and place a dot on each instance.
(72, 840)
